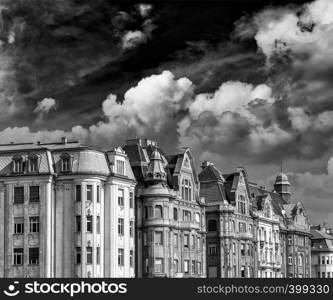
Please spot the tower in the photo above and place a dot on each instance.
(282, 186)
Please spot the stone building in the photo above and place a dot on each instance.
(231, 236)
(294, 255)
(170, 215)
(321, 252)
(66, 210)
(253, 231)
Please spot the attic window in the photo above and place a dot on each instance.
(17, 164)
(33, 163)
(66, 160)
(186, 189)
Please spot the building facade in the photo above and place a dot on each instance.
(253, 231)
(170, 215)
(67, 210)
(321, 252)
(231, 227)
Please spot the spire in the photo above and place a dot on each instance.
(155, 172)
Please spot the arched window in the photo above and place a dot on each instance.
(186, 189)
(267, 211)
(158, 212)
(33, 163)
(175, 213)
(17, 164)
(65, 163)
(212, 225)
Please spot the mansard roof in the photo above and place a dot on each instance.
(83, 159)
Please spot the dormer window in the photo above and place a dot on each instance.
(120, 165)
(33, 163)
(186, 189)
(187, 163)
(17, 164)
(66, 165)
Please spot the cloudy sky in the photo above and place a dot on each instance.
(243, 83)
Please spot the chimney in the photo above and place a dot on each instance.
(64, 140)
(38, 143)
(205, 164)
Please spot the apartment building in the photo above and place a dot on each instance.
(170, 215)
(66, 210)
(321, 252)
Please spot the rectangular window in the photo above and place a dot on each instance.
(186, 266)
(18, 194)
(120, 226)
(18, 256)
(175, 240)
(89, 224)
(145, 238)
(98, 224)
(18, 225)
(131, 228)
(78, 255)
(187, 216)
(199, 268)
(290, 260)
(290, 240)
(34, 193)
(33, 256)
(212, 249)
(198, 243)
(120, 257)
(158, 265)
(98, 255)
(193, 267)
(89, 192)
(131, 199)
(98, 194)
(175, 265)
(193, 241)
(78, 193)
(242, 249)
(89, 251)
(78, 223)
(158, 237)
(121, 197)
(34, 224)
(186, 241)
(131, 258)
(120, 167)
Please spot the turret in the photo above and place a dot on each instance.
(155, 172)
(282, 186)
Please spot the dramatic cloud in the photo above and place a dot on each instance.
(144, 9)
(45, 105)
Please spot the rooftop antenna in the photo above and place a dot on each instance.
(281, 163)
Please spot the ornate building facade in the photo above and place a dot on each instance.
(321, 252)
(66, 210)
(253, 231)
(170, 214)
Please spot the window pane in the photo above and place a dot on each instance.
(89, 224)
(89, 192)
(34, 193)
(120, 197)
(33, 256)
(78, 193)
(18, 225)
(34, 224)
(78, 223)
(89, 255)
(19, 194)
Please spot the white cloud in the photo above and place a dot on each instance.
(144, 9)
(45, 105)
(306, 29)
(133, 38)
